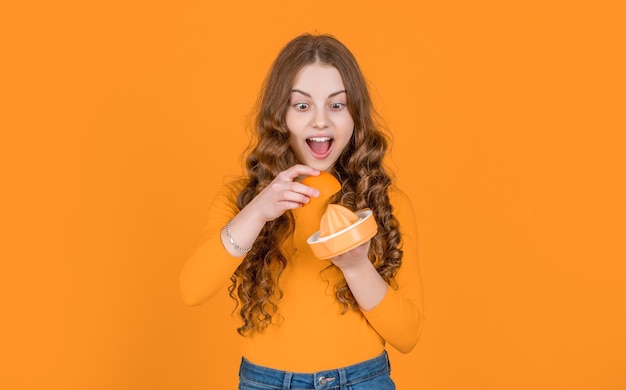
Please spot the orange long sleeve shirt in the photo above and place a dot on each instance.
(309, 332)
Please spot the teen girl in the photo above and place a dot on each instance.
(310, 323)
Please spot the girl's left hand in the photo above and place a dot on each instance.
(366, 284)
(354, 258)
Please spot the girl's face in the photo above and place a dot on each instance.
(320, 125)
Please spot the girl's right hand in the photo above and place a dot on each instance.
(284, 193)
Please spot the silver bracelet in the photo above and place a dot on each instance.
(240, 249)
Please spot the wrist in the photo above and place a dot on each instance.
(240, 233)
(255, 213)
(355, 266)
(230, 239)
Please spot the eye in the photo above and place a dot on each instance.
(301, 106)
(337, 106)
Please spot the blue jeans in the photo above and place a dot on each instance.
(369, 375)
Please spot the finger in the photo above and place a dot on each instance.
(363, 248)
(288, 205)
(292, 196)
(304, 189)
(299, 170)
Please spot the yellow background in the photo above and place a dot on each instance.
(120, 119)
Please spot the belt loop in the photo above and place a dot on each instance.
(343, 379)
(287, 380)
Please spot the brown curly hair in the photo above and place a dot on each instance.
(360, 169)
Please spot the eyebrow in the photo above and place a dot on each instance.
(309, 95)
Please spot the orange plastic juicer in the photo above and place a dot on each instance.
(341, 230)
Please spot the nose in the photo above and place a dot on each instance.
(320, 121)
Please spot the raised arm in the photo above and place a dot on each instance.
(217, 256)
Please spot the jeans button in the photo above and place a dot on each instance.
(323, 380)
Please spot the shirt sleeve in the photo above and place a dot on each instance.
(399, 317)
(210, 266)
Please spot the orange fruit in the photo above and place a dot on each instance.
(325, 183)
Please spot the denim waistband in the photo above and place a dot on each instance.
(326, 380)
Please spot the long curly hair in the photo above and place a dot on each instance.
(360, 169)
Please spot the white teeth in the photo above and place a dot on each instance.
(319, 139)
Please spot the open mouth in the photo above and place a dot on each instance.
(320, 147)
